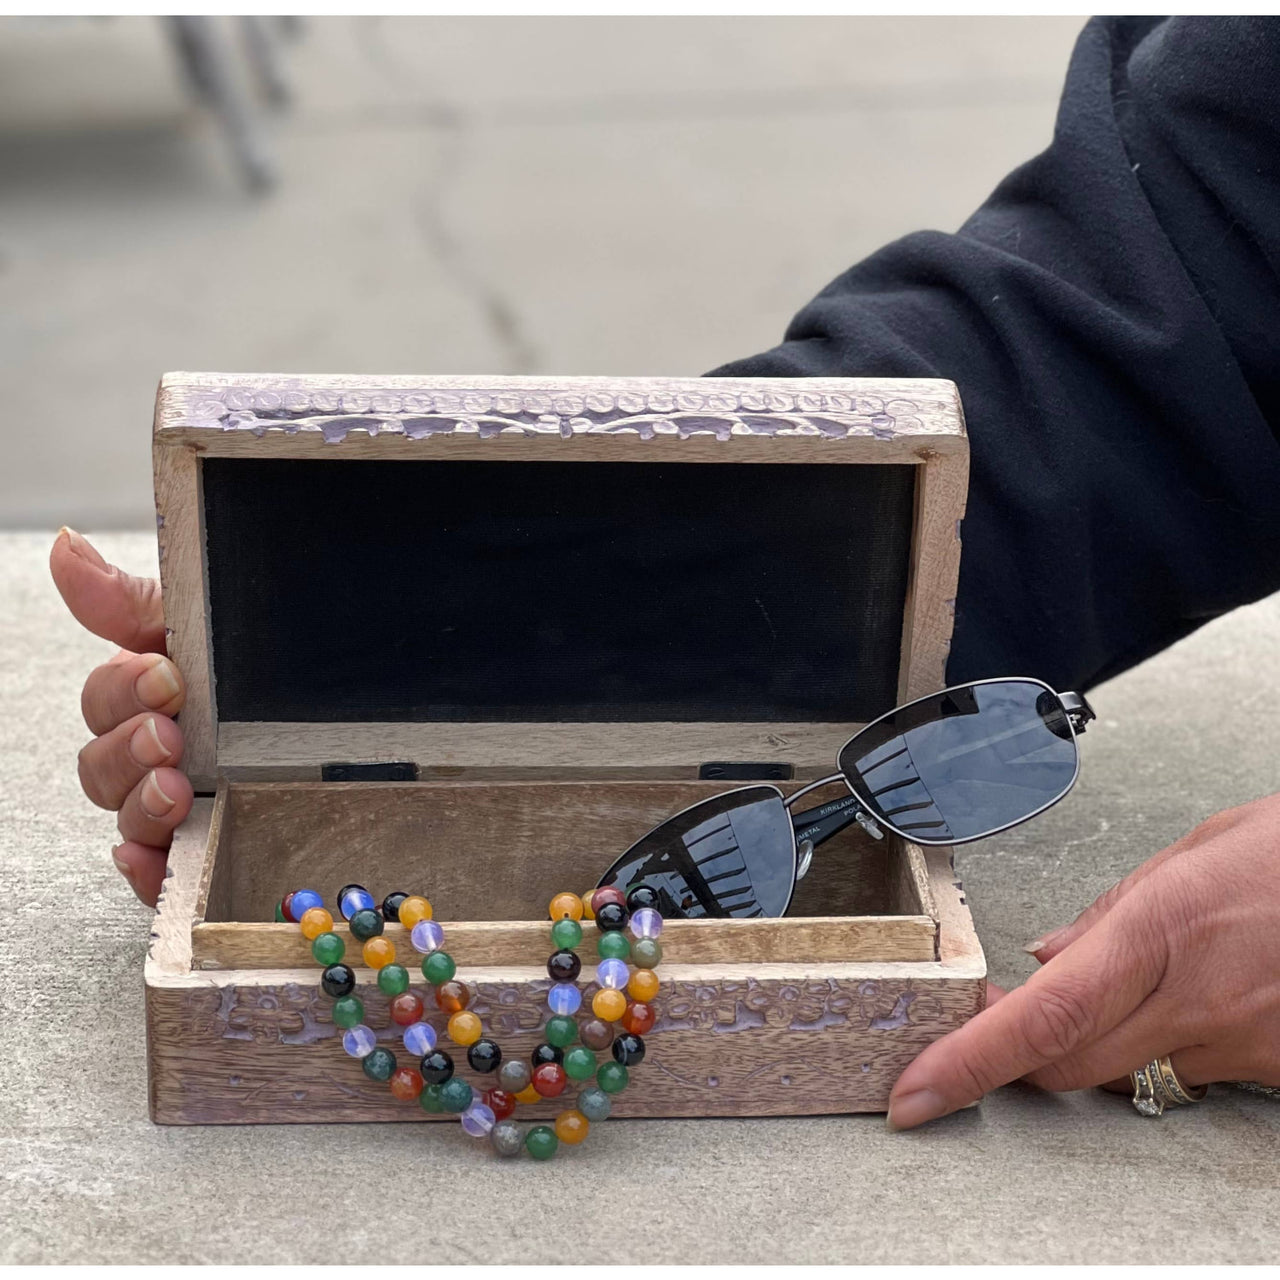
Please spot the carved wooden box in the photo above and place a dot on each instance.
(472, 637)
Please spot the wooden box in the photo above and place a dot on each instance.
(472, 637)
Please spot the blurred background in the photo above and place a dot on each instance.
(490, 195)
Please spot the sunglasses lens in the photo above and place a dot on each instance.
(732, 855)
(965, 762)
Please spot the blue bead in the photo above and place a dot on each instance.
(356, 900)
(646, 923)
(427, 936)
(564, 999)
(478, 1120)
(360, 1041)
(419, 1038)
(304, 900)
(612, 973)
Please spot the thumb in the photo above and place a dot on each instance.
(106, 600)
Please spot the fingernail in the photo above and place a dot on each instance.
(122, 866)
(157, 685)
(910, 1109)
(74, 540)
(154, 802)
(1032, 948)
(145, 746)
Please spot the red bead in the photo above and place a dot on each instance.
(639, 1018)
(501, 1103)
(406, 1084)
(550, 1080)
(601, 896)
(284, 907)
(406, 1009)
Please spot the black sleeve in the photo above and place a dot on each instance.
(1111, 316)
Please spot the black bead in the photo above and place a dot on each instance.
(436, 1067)
(391, 907)
(545, 1053)
(484, 1056)
(338, 980)
(642, 896)
(612, 916)
(564, 966)
(379, 1064)
(628, 1049)
(366, 924)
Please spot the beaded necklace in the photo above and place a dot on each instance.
(624, 998)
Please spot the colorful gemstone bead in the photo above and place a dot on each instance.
(546, 1053)
(607, 894)
(571, 1127)
(406, 1084)
(366, 924)
(587, 912)
(614, 945)
(438, 967)
(550, 1080)
(507, 1138)
(314, 922)
(419, 1038)
(646, 953)
(564, 999)
(566, 934)
(478, 1120)
(378, 951)
(612, 916)
(436, 1067)
(560, 1031)
(612, 1077)
(413, 909)
(302, 901)
(426, 937)
(406, 1009)
(456, 1095)
(612, 974)
(355, 897)
(281, 918)
(639, 1018)
(429, 1099)
(596, 1033)
(379, 1064)
(580, 1063)
(484, 1056)
(643, 985)
(640, 897)
(628, 1049)
(646, 923)
(464, 1028)
(338, 980)
(393, 979)
(609, 1004)
(541, 1142)
(528, 1094)
(566, 906)
(500, 1102)
(391, 906)
(452, 997)
(563, 966)
(348, 1012)
(594, 1103)
(514, 1075)
(360, 1041)
(286, 903)
(328, 948)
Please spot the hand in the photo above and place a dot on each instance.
(1181, 958)
(129, 703)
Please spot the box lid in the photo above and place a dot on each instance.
(588, 577)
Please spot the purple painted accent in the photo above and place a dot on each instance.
(419, 1038)
(478, 1120)
(427, 936)
(898, 1018)
(612, 973)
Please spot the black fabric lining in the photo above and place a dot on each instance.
(351, 590)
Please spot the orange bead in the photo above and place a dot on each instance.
(528, 1094)
(566, 906)
(378, 951)
(406, 1084)
(452, 997)
(642, 985)
(571, 1127)
(639, 1018)
(315, 922)
(414, 909)
(464, 1028)
(608, 1004)
(587, 913)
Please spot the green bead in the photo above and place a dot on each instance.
(647, 953)
(328, 948)
(438, 967)
(561, 1032)
(613, 944)
(280, 913)
(541, 1141)
(566, 934)
(429, 1099)
(366, 924)
(455, 1095)
(348, 1012)
(393, 979)
(612, 1077)
(379, 1064)
(580, 1063)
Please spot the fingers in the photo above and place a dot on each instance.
(104, 599)
(155, 806)
(1076, 999)
(114, 763)
(143, 866)
(128, 684)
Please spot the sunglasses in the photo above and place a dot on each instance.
(945, 769)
